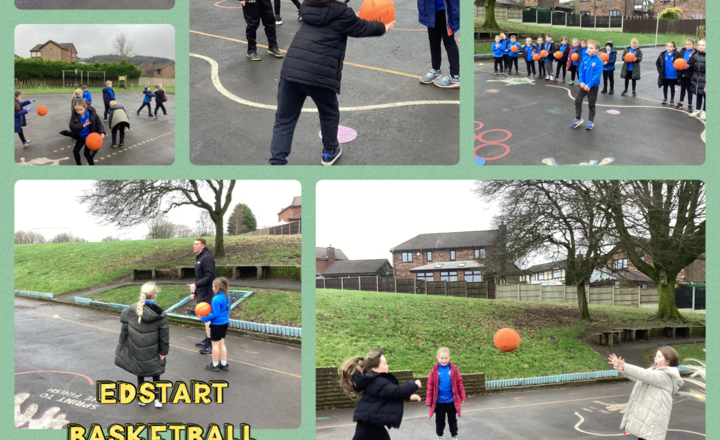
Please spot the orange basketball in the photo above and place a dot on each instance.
(203, 309)
(94, 141)
(42, 110)
(630, 57)
(558, 55)
(378, 10)
(543, 54)
(536, 57)
(506, 339)
(575, 56)
(679, 64)
(604, 56)
(514, 49)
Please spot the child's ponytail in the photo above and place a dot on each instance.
(370, 361)
(17, 104)
(147, 292)
(223, 285)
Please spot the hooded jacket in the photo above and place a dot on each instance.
(108, 95)
(382, 398)
(148, 95)
(433, 387)
(315, 57)
(140, 344)
(648, 411)
(610, 66)
(204, 276)
(115, 118)
(697, 64)
(426, 10)
(660, 63)
(96, 125)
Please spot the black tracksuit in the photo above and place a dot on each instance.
(204, 276)
(259, 10)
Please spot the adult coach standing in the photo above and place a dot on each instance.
(202, 290)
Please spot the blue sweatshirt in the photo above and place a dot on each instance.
(498, 50)
(220, 311)
(86, 130)
(591, 71)
(515, 44)
(610, 66)
(148, 96)
(551, 56)
(670, 72)
(529, 52)
(445, 394)
(86, 96)
(688, 54)
(630, 65)
(439, 5)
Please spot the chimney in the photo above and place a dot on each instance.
(330, 255)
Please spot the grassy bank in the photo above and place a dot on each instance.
(168, 296)
(93, 90)
(685, 351)
(70, 267)
(412, 327)
(620, 39)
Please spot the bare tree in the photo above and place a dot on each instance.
(123, 46)
(183, 231)
(110, 238)
(131, 202)
(203, 225)
(66, 237)
(30, 237)
(160, 228)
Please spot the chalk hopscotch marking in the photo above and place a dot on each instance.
(218, 85)
(485, 143)
(582, 420)
(51, 418)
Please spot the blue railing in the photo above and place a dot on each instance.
(38, 294)
(549, 379)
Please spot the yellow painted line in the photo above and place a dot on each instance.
(220, 88)
(362, 66)
(496, 408)
(175, 346)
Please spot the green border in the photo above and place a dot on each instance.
(308, 176)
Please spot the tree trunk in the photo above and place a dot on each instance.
(490, 22)
(219, 240)
(667, 309)
(582, 301)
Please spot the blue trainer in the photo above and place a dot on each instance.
(430, 76)
(590, 125)
(447, 82)
(329, 159)
(577, 123)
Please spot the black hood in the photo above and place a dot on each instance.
(320, 14)
(362, 381)
(151, 313)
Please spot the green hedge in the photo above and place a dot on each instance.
(27, 68)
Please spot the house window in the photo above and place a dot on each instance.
(620, 263)
(407, 257)
(448, 276)
(585, 13)
(427, 276)
(479, 253)
(429, 255)
(473, 276)
(614, 13)
(697, 16)
(452, 255)
(557, 273)
(541, 276)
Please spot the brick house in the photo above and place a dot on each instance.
(613, 8)
(55, 51)
(547, 4)
(448, 256)
(326, 257)
(153, 69)
(692, 9)
(358, 268)
(293, 212)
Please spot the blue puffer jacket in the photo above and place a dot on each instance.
(148, 95)
(20, 117)
(426, 9)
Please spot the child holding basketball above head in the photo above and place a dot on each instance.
(20, 112)
(218, 319)
(541, 61)
(442, 19)
(648, 411)
(313, 67)
(684, 76)
(697, 83)
(160, 98)
(86, 94)
(445, 392)
(529, 50)
(144, 339)
(381, 395)
(147, 100)
(667, 75)
(84, 121)
(108, 95)
(119, 121)
(590, 74)
(609, 68)
(564, 48)
(631, 70)
(498, 53)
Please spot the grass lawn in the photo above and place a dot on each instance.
(686, 351)
(620, 39)
(168, 296)
(70, 267)
(93, 91)
(276, 307)
(411, 328)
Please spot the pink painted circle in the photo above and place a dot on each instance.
(345, 134)
(613, 112)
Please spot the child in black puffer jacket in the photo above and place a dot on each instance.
(313, 67)
(697, 83)
(381, 404)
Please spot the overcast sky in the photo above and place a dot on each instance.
(365, 219)
(50, 207)
(157, 40)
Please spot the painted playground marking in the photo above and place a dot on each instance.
(218, 85)
(582, 419)
(485, 143)
(345, 134)
(51, 418)
(42, 161)
(90, 381)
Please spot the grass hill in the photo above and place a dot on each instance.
(412, 327)
(69, 267)
(136, 59)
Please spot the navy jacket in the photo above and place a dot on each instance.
(382, 398)
(20, 121)
(426, 10)
(610, 66)
(204, 276)
(108, 95)
(315, 57)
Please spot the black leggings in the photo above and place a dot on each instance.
(88, 153)
(277, 7)
(368, 431)
(437, 35)
(22, 136)
(669, 83)
(541, 69)
(564, 70)
(701, 101)
(530, 66)
(159, 105)
(627, 83)
(149, 106)
(609, 75)
(499, 63)
(573, 74)
(513, 60)
(685, 87)
(506, 57)
(141, 379)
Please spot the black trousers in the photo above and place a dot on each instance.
(141, 379)
(541, 69)
(561, 66)
(592, 99)
(277, 7)
(22, 136)
(440, 410)
(609, 76)
(437, 35)
(669, 83)
(367, 431)
(573, 74)
(143, 106)
(701, 101)
(506, 61)
(261, 10)
(499, 63)
(685, 88)
(627, 83)
(88, 153)
(291, 97)
(159, 105)
(530, 66)
(107, 110)
(121, 128)
(513, 61)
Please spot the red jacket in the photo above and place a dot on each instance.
(433, 385)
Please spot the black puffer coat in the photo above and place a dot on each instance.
(382, 398)
(141, 343)
(96, 125)
(660, 63)
(204, 276)
(315, 57)
(697, 64)
(687, 73)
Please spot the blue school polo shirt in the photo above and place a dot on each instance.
(445, 394)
